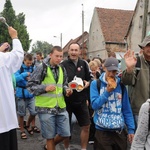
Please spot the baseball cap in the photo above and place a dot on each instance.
(111, 63)
(145, 42)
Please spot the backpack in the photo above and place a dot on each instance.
(98, 81)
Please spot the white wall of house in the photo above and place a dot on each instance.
(148, 20)
(96, 45)
(135, 34)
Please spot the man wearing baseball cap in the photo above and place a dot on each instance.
(137, 74)
(112, 110)
(145, 42)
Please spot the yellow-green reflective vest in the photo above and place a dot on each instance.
(55, 98)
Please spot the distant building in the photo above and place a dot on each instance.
(107, 31)
(83, 45)
(140, 25)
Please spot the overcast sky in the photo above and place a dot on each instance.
(48, 18)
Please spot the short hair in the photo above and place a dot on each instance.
(74, 43)
(39, 53)
(112, 54)
(57, 48)
(98, 62)
(88, 60)
(28, 57)
(93, 64)
(103, 61)
(97, 58)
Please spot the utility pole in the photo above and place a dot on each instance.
(146, 4)
(61, 40)
(82, 29)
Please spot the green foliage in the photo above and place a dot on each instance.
(17, 22)
(40, 46)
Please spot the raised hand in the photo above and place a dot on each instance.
(4, 46)
(13, 33)
(130, 60)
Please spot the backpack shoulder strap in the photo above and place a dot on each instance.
(32, 67)
(44, 72)
(63, 69)
(122, 88)
(98, 81)
(21, 69)
(138, 65)
(149, 117)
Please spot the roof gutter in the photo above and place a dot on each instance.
(121, 43)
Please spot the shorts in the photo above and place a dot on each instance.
(27, 103)
(81, 112)
(8, 140)
(52, 124)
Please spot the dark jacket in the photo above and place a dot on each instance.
(81, 70)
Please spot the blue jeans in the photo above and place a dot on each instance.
(26, 103)
(52, 124)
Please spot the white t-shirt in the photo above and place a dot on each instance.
(10, 62)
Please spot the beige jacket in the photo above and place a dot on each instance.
(140, 90)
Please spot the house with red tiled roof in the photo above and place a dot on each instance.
(107, 31)
(140, 25)
(79, 40)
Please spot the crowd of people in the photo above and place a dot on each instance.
(111, 115)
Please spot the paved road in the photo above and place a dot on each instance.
(36, 142)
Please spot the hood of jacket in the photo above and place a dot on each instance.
(103, 78)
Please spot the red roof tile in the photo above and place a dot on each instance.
(76, 40)
(114, 23)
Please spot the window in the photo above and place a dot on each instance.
(148, 18)
(141, 3)
(141, 21)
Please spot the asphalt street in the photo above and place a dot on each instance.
(36, 142)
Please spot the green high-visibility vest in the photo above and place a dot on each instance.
(55, 98)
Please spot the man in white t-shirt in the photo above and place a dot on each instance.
(10, 62)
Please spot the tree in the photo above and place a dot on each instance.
(18, 22)
(40, 46)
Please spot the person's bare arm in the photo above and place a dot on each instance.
(13, 33)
